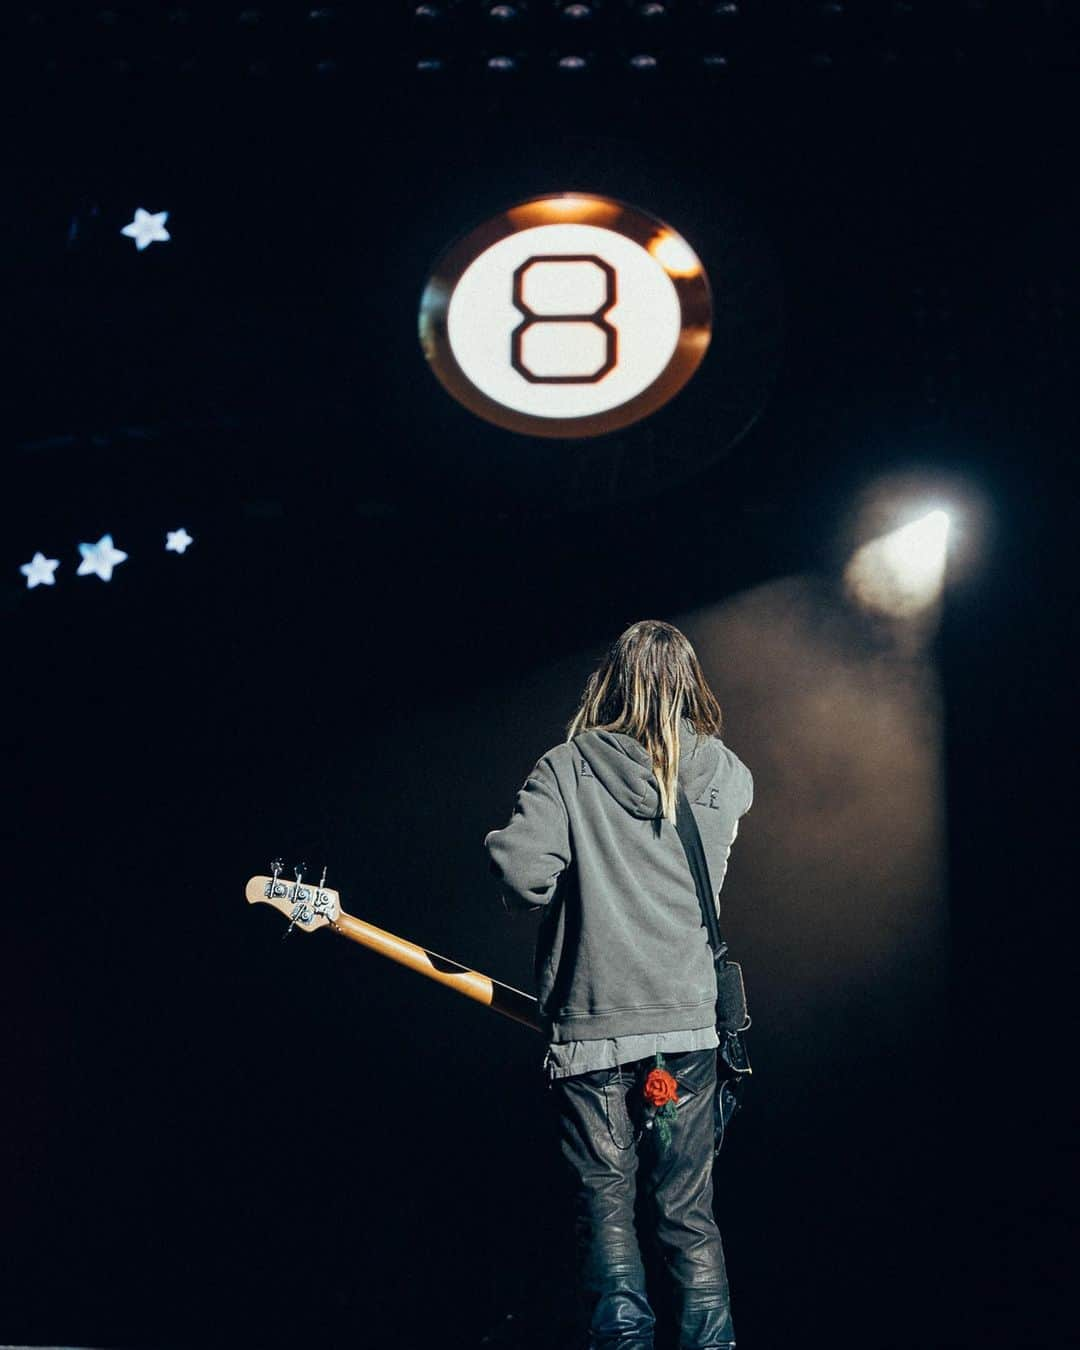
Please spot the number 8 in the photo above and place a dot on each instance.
(595, 317)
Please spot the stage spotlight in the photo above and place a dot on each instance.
(903, 572)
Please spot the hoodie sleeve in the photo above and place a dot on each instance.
(748, 786)
(528, 855)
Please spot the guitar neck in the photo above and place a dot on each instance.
(500, 998)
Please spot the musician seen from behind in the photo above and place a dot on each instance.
(625, 976)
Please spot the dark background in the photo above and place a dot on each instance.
(210, 1135)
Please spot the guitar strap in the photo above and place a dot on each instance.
(699, 869)
(732, 1018)
(731, 1012)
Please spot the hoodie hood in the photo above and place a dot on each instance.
(623, 766)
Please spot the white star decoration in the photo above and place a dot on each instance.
(39, 571)
(146, 228)
(100, 558)
(176, 541)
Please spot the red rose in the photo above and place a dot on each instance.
(660, 1087)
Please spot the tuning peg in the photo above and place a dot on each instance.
(321, 898)
(300, 911)
(276, 866)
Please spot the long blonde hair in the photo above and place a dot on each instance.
(648, 680)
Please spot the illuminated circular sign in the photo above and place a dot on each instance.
(569, 315)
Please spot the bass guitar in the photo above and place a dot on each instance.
(309, 908)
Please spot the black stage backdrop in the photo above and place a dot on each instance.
(211, 1135)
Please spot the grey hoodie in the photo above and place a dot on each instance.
(621, 947)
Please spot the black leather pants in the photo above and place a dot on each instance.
(599, 1116)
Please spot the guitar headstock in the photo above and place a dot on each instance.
(305, 905)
